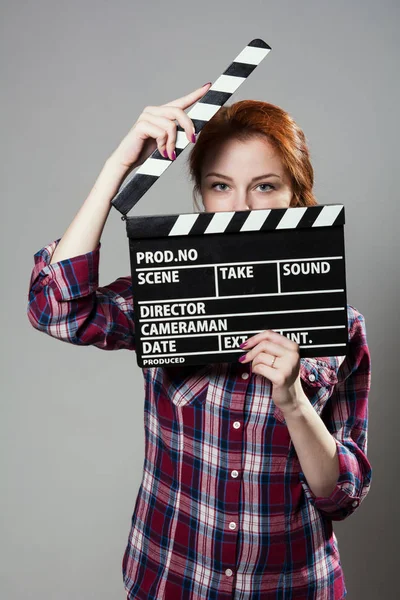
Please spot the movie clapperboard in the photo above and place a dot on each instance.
(203, 283)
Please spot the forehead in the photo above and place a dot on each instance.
(247, 155)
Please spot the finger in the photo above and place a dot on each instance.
(274, 375)
(265, 359)
(173, 113)
(189, 99)
(271, 335)
(169, 142)
(264, 346)
(152, 130)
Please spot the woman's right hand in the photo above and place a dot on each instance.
(156, 128)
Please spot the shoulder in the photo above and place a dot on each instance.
(356, 325)
(338, 368)
(357, 358)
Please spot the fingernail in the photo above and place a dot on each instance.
(206, 83)
(165, 153)
(193, 137)
(173, 155)
(241, 358)
(243, 345)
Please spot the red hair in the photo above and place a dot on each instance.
(246, 119)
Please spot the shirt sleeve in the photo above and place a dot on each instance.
(346, 417)
(66, 302)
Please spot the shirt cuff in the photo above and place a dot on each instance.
(351, 487)
(69, 278)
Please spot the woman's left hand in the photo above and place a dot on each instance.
(285, 374)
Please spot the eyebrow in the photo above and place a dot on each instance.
(254, 178)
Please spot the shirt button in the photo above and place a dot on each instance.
(245, 375)
(229, 572)
(311, 377)
(232, 525)
(355, 503)
(235, 473)
(236, 424)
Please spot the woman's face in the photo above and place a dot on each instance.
(245, 175)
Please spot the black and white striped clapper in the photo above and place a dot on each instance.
(203, 283)
(137, 183)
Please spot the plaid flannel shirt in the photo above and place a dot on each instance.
(223, 510)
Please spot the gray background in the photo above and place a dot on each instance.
(75, 77)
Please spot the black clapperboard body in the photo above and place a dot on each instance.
(203, 283)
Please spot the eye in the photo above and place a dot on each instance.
(268, 184)
(215, 185)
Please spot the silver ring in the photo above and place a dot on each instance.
(273, 361)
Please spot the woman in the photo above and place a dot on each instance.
(246, 464)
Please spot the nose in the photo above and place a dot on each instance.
(241, 202)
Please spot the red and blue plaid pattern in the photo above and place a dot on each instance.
(223, 510)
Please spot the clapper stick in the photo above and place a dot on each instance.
(140, 181)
